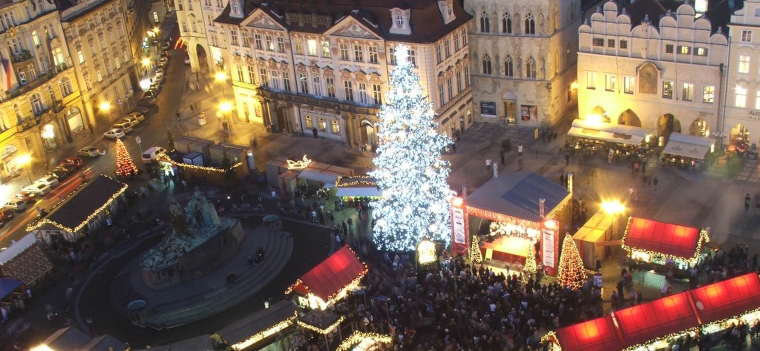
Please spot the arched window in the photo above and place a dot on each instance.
(530, 67)
(509, 67)
(506, 24)
(530, 24)
(487, 65)
(17, 111)
(36, 102)
(485, 25)
(66, 88)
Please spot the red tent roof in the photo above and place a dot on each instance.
(728, 298)
(668, 239)
(331, 275)
(594, 335)
(653, 320)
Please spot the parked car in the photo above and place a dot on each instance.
(152, 153)
(125, 126)
(114, 133)
(73, 161)
(38, 189)
(16, 205)
(165, 46)
(48, 180)
(159, 77)
(89, 151)
(139, 116)
(6, 214)
(131, 120)
(27, 197)
(142, 110)
(163, 61)
(156, 84)
(150, 94)
(147, 100)
(63, 172)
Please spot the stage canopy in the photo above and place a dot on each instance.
(594, 335)
(727, 299)
(357, 186)
(516, 195)
(651, 321)
(7, 286)
(331, 276)
(688, 146)
(615, 133)
(670, 240)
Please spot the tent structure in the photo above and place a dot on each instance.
(615, 133)
(24, 260)
(599, 228)
(659, 238)
(260, 325)
(594, 335)
(357, 186)
(330, 280)
(688, 146)
(727, 299)
(648, 322)
(286, 174)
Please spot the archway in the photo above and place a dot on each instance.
(629, 118)
(739, 137)
(49, 138)
(598, 113)
(699, 128)
(368, 133)
(668, 124)
(200, 53)
(510, 107)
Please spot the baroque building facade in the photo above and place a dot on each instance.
(523, 59)
(323, 68)
(742, 115)
(653, 67)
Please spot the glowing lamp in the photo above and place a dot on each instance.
(42, 347)
(613, 207)
(426, 252)
(594, 118)
(105, 105)
(225, 107)
(457, 201)
(550, 223)
(145, 61)
(220, 76)
(23, 159)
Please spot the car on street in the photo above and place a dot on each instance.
(37, 189)
(74, 161)
(156, 84)
(147, 101)
(6, 215)
(165, 46)
(131, 120)
(26, 197)
(114, 134)
(125, 126)
(159, 77)
(88, 151)
(63, 172)
(163, 61)
(150, 94)
(17, 205)
(142, 110)
(48, 180)
(139, 116)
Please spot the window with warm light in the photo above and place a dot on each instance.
(628, 85)
(687, 94)
(298, 46)
(312, 44)
(667, 89)
(335, 126)
(708, 94)
(591, 80)
(609, 82)
(743, 64)
(741, 97)
(322, 124)
(326, 49)
(308, 122)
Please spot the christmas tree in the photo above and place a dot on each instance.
(530, 260)
(475, 255)
(410, 172)
(125, 167)
(571, 271)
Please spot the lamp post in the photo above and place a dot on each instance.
(221, 78)
(614, 209)
(105, 108)
(225, 108)
(24, 160)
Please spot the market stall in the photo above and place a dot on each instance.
(24, 260)
(81, 211)
(287, 174)
(353, 188)
(662, 243)
(511, 212)
(597, 230)
(607, 132)
(259, 326)
(686, 151)
(330, 280)
(595, 335)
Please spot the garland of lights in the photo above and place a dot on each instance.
(571, 272)
(266, 333)
(125, 167)
(321, 331)
(358, 336)
(205, 168)
(703, 238)
(88, 219)
(338, 183)
(475, 255)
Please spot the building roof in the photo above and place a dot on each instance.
(651, 321)
(331, 275)
(425, 17)
(595, 335)
(105, 343)
(727, 299)
(17, 248)
(258, 322)
(69, 338)
(670, 240)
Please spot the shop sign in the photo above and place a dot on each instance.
(754, 115)
(547, 244)
(459, 234)
(598, 280)
(488, 109)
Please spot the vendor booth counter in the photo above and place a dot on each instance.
(615, 133)
(593, 238)
(686, 151)
(287, 174)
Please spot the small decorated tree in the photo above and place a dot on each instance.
(475, 255)
(226, 164)
(125, 167)
(169, 142)
(530, 260)
(571, 271)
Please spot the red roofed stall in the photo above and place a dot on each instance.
(651, 321)
(595, 335)
(653, 241)
(727, 299)
(330, 280)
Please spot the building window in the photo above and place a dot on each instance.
(741, 97)
(598, 42)
(349, 90)
(326, 49)
(377, 94)
(509, 67)
(464, 37)
(392, 54)
(624, 44)
(257, 41)
(312, 46)
(669, 48)
(466, 76)
(359, 53)
(438, 56)
(317, 83)
(530, 66)
(459, 81)
(286, 81)
(246, 38)
(412, 58)
(330, 87)
(746, 36)
(263, 79)
(684, 50)
(609, 82)
(441, 97)
(252, 74)
(687, 94)
(275, 80)
(322, 124)
(372, 54)
(628, 85)
(485, 25)
(335, 126)
(456, 41)
(280, 44)
(80, 55)
(343, 51)
(708, 94)
(611, 43)
(447, 47)
(268, 42)
(303, 83)
(667, 89)
(308, 122)
(298, 46)
(743, 64)
(757, 97)
(450, 87)
(506, 24)
(487, 65)
(66, 88)
(700, 51)
(363, 98)
(530, 24)
(591, 80)
(240, 73)
(233, 37)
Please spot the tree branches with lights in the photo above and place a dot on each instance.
(125, 167)
(410, 172)
(571, 271)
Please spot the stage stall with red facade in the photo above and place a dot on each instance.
(308, 176)
(672, 245)
(657, 325)
(509, 213)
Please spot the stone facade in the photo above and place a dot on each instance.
(742, 118)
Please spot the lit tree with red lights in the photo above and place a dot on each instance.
(125, 167)
(571, 271)
(530, 260)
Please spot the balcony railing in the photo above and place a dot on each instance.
(24, 56)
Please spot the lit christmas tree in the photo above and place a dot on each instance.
(125, 167)
(410, 172)
(530, 260)
(571, 271)
(475, 255)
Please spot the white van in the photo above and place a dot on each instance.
(150, 155)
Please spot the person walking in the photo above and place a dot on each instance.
(315, 132)
(567, 159)
(655, 181)
(519, 149)
(746, 202)
(488, 164)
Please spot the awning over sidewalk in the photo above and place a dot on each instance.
(616, 133)
(651, 321)
(594, 335)
(688, 146)
(728, 298)
(670, 240)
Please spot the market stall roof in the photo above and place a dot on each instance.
(727, 299)
(69, 338)
(17, 248)
(516, 195)
(328, 178)
(357, 186)
(104, 342)
(331, 275)
(7, 286)
(595, 335)
(670, 240)
(688, 146)
(594, 229)
(75, 212)
(258, 322)
(651, 321)
(616, 133)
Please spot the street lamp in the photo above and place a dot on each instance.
(614, 209)
(225, 108)
(24, 160)
(221, 78)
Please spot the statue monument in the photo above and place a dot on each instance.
(199, 242)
